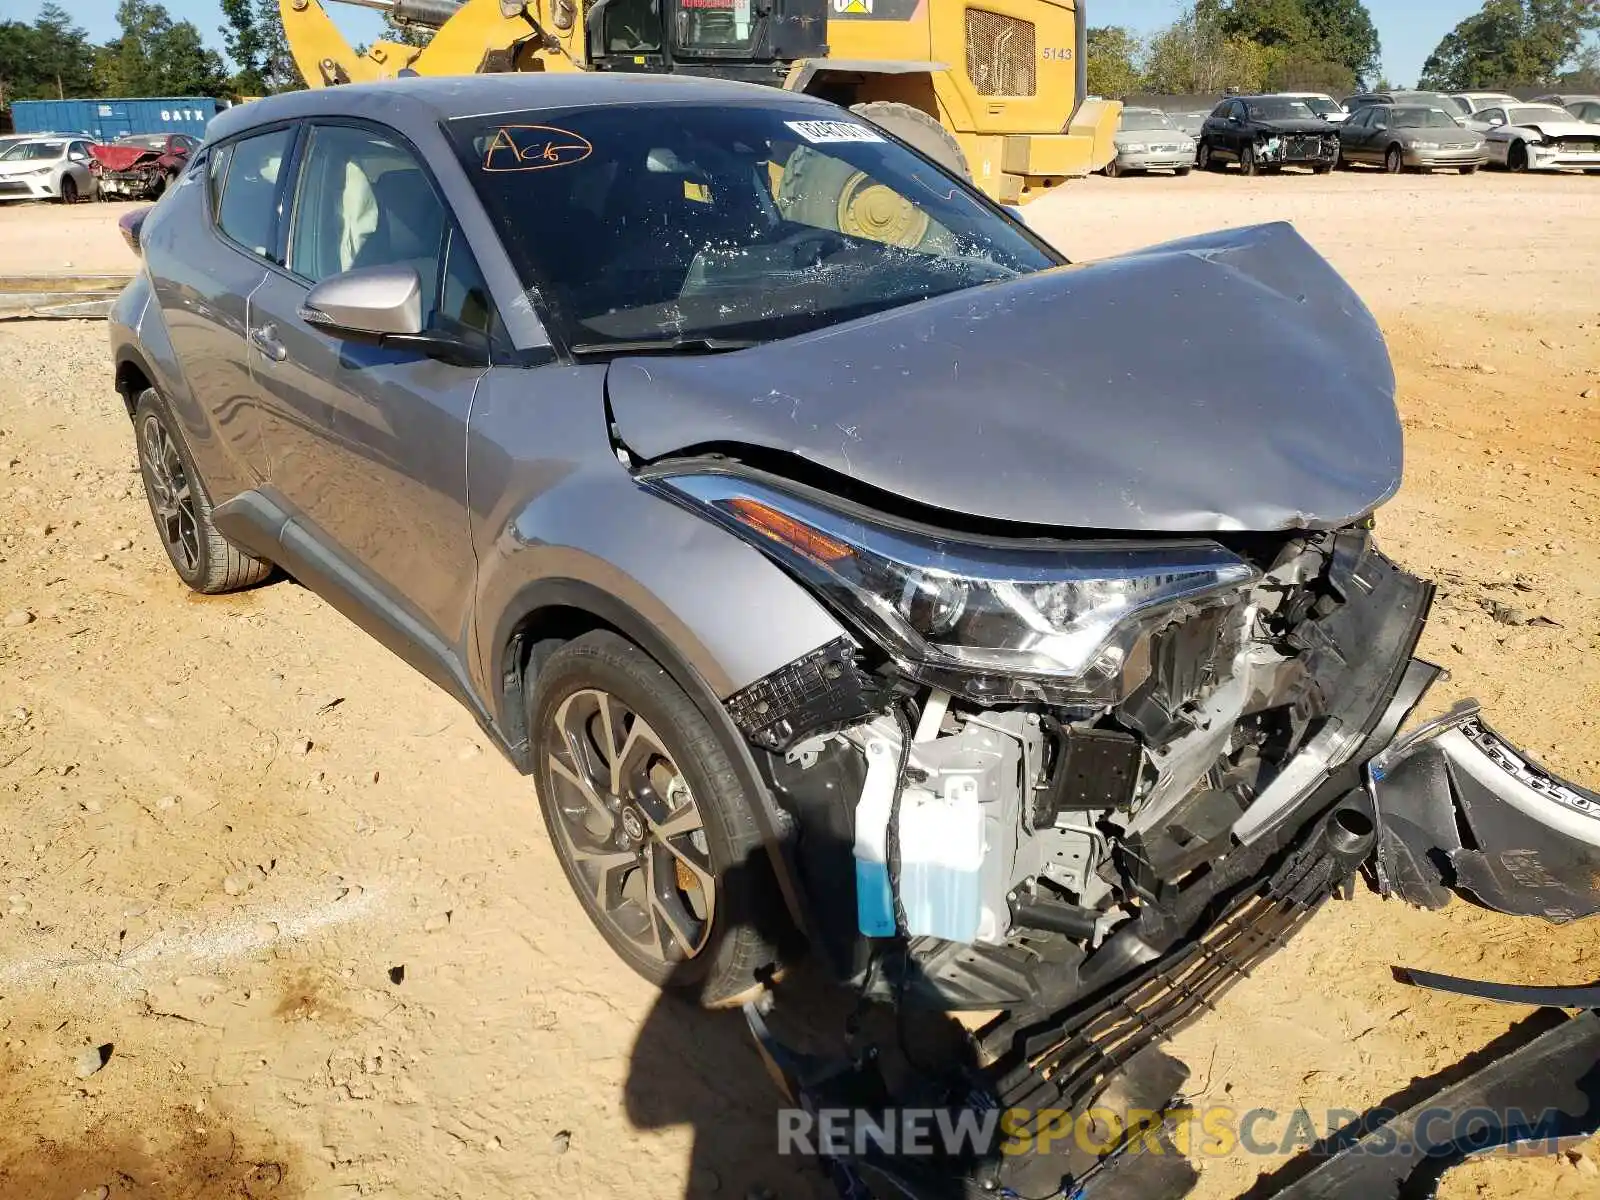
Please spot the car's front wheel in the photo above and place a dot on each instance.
(1247, 161)
(648, 818)
(1517, 160)
(69, 190)
(1394, 161)
(181, 506)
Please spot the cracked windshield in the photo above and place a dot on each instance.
(726, 224)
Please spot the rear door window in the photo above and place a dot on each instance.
(248, 191)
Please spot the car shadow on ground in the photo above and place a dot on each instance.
(701, 1068)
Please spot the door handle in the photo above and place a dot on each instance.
(265, 339)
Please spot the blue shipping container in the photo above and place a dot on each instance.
(110, 119)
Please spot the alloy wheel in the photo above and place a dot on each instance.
(626, 819)
(171, 496)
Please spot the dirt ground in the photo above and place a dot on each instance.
(278, 923)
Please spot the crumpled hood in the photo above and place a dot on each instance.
(1294, 125)
(1564, 129)
(121, 158)
(1227, 382)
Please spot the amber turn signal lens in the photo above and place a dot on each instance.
(796, 535)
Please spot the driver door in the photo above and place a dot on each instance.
(1495, 141)
(365, 444)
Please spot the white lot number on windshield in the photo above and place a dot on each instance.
(820, 133)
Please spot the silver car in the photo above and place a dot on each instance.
(1147, 139)
(1405, 137)
(46, 169)
(844, 568)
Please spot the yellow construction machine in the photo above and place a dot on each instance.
(997, 92)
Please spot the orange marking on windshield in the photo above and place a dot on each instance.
(534, 148)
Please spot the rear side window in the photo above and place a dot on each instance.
(248, 207)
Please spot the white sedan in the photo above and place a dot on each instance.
(1539, 137)
(46, 169)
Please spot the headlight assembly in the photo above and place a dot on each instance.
(1133, 148)
(1059, 621)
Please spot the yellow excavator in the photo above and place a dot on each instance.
(997, 92)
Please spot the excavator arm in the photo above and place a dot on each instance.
(469, 38)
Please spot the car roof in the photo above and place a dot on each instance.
(413, 101)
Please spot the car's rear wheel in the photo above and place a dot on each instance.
(647, 816)
(1247, 161)
(1394, 161)
(181, 506)
(69, 190)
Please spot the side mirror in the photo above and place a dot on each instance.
(368, 302)
(383, 306)
(1496, 122)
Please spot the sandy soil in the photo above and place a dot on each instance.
(54, 238)
(277, 923)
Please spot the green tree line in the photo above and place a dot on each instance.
(154, 55)
(1333, 46)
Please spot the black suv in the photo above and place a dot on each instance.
(1267, 133)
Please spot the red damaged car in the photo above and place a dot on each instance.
(140, 165)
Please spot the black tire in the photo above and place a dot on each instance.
(1394, 160)
(202, 557)
(1517, 157)
(919, 130)
(1182, 172)
(1204, 159)
(1322, 169)
(745, 919)
(1472, 170)
(1248, 162)
(1113, 170)
(69, 190)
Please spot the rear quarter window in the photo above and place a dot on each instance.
(246, 189)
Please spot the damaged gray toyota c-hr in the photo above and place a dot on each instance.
(834, 556)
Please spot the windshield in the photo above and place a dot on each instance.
(733, 223)
(1534, 114)
(25, 150)
(1422, 118)
(1146, 120)
(714, 24)
(1280, 110)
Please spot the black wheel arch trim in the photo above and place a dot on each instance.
(508, 656)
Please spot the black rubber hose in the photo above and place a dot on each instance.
(892, 842)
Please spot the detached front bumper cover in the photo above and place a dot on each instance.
(1460, 808)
